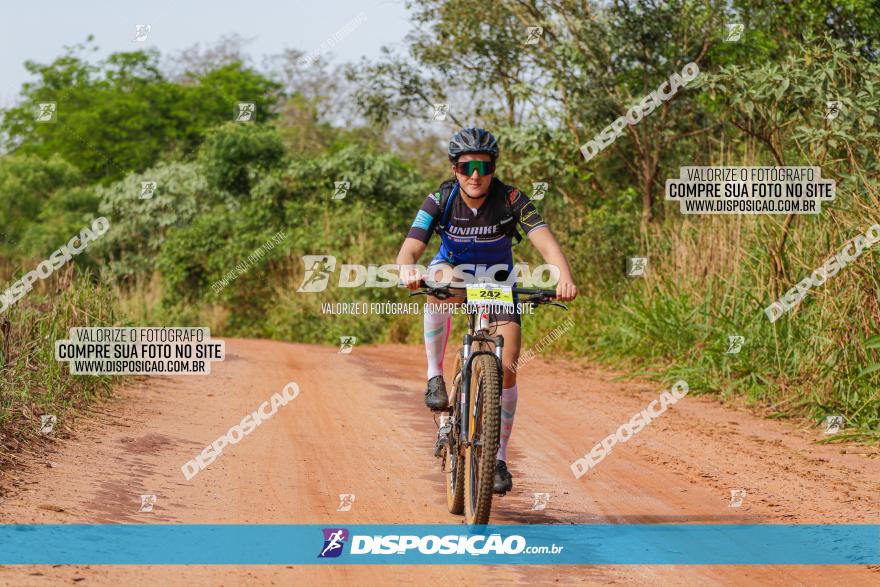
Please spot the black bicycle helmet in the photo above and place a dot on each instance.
(472, 140)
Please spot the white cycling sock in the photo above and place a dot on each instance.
(437, 327)
(508, 409)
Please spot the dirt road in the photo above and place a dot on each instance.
(359, 427)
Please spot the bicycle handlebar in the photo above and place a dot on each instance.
(533, 296)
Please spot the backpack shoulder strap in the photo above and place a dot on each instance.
(508, 218)
(448, 191)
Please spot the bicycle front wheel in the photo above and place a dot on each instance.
(485, 430)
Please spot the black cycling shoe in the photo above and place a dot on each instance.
(503, 481)
(435, 395)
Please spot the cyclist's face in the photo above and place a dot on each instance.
(476, 185)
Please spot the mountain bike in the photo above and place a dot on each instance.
(468, 437)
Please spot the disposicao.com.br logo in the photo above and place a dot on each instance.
(450, 544)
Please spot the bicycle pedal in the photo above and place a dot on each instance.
(442, 439)
(439, 447)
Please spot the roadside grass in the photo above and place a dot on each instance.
(32, 382)
(819, 359)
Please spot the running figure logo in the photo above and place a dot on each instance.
(346, 500)
(440, 111)
(245, 112)
(141, 32)
(47, 423)
(318, 270)
(541, 501)
(538, 190)
(736, 497)
(833, 424)
(635, 266)
(147, 503)
(334, 540)
(346, 343)
(45, 111)
(340, 189)
(734, 344)
(148, 188)
(534, 35)
(734, 32)
(832, 109)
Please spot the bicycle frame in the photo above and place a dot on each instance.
(477, 335)
(478, 332)
(463, 460)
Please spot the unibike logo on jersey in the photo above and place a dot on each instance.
(334, 541)
(473, 230)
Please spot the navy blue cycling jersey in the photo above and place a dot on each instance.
(476, 235)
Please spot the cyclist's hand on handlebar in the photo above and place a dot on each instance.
(410, 277)
(566, 291)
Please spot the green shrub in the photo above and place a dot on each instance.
(236, 154)
(28, 186)
(139, 227)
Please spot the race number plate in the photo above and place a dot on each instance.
(489, 293)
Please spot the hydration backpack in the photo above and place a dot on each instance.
(497, 191)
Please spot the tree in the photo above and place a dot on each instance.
(592, 62)
(782, 106)
(122, 115)
(27, 186)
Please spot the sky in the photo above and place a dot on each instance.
(39, 30)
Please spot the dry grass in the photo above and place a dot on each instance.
(32, 382)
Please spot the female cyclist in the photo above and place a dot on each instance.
(478, 229)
